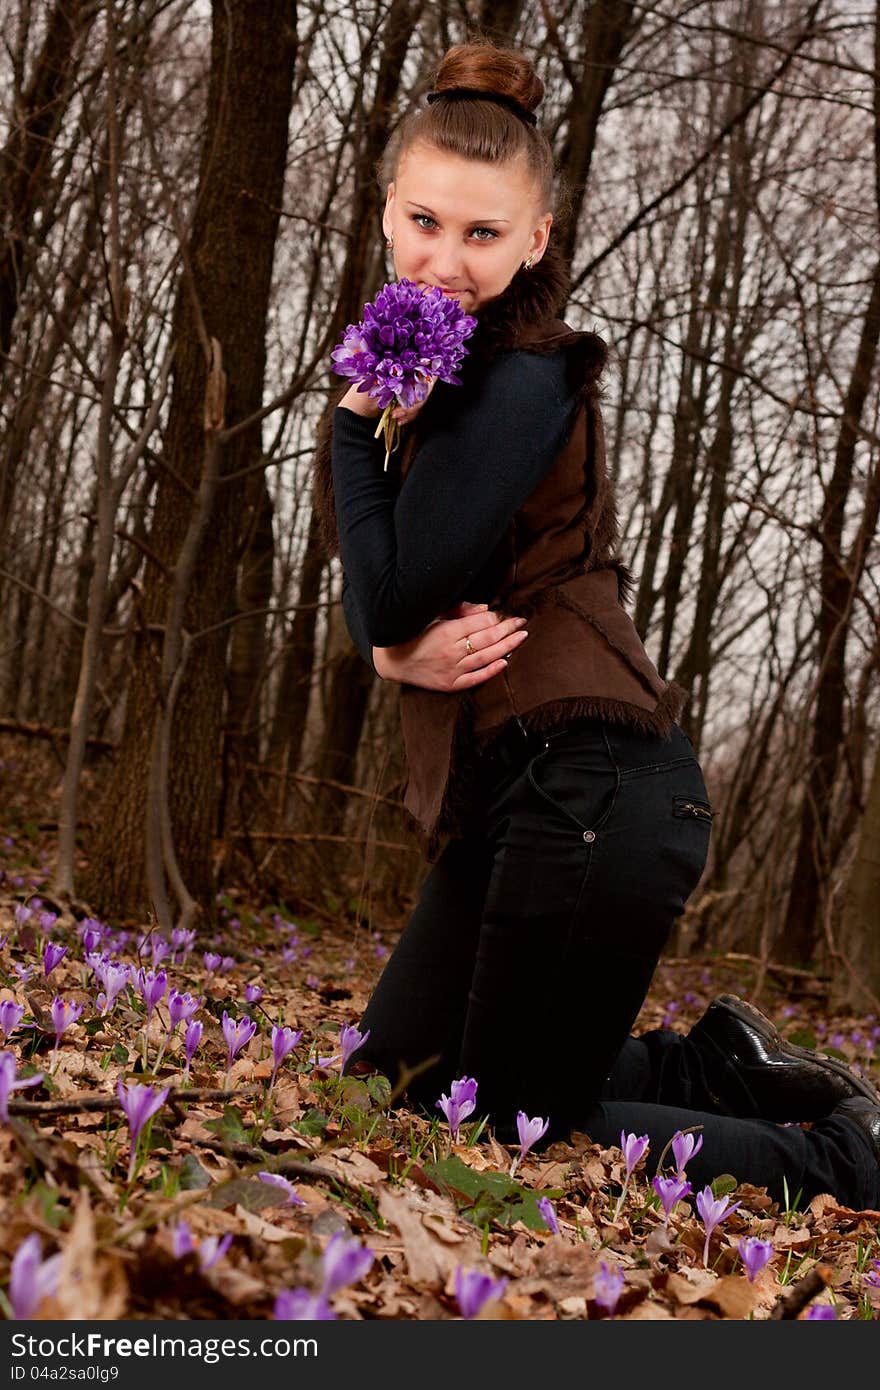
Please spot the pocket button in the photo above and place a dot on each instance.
(589, 836)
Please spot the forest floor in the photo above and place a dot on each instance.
(379, 1212)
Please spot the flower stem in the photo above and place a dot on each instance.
(391, 430)
(619, 1206)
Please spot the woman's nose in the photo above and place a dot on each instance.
(446, 265)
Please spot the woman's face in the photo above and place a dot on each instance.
(462, 224)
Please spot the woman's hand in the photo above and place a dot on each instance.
(403, 414)
(438, 659)
(360, 403)
(365, 405)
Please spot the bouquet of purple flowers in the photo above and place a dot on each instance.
(407, 339)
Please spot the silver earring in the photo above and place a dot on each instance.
(527, 263)
(389, 242)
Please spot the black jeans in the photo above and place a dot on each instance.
(533, 944)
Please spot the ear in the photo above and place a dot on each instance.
(386, 215)
(540, 237)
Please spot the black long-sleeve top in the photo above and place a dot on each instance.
(409, 555)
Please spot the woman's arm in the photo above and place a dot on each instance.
(413, 555)
(437, 659)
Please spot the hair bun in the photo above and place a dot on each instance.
(484, 66)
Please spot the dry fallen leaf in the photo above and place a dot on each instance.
(429, 1260)
(90, 1286)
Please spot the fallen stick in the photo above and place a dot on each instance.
(82, 1105)
(802, 1293)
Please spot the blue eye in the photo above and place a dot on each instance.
(420, 217)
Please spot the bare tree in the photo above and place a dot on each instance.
(224, 295)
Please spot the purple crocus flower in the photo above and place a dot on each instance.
(212, 961)
(22, 914)
(159, 949)
(634, 1148)
(873, 1276)
(284, 1185)
(473, 1290)
(191, 1039)
(344, 1261)
(821, 1312)
(237, 1032)
(9, 1083)
(182, 943)
(684, 1146)
(253, 993)
(91, 940)
(11, 1015)
(208, 1250)
(407, 338)
(31, 1278)
(712, 1210)
(211, 1249)
(114, 976)
(460, 1103)
(182, 1242)
(548, 1214)
(298, 1305)
(670, 1191)
(97, 961)
(63, 1012)
(227, 963)
(152, 985)
(181, 1008)
(140, 1104)
(284, 1040)
(46, 921)
(754, 1254)
(608, 1286)
(351, 1039)
(529, 1131)
(24, 972)
(52, 955)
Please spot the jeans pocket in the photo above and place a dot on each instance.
(580, 789)
(690, 827)
(692, 807)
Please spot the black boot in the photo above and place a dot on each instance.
(865, 1114)
(751, 1070)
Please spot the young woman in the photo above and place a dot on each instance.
(561, 803)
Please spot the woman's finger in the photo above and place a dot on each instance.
(475, 640)
(469, 679)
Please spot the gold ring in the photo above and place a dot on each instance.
(469, 647)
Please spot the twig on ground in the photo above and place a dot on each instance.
(81, 1105)
(802, 1293)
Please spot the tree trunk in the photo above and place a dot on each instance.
(24, 162)
(857, 969)
(839, 578)
(224, 295)
(247, 661)
(609, 25)
(292, 704)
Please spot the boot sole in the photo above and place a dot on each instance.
(747, 1013)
